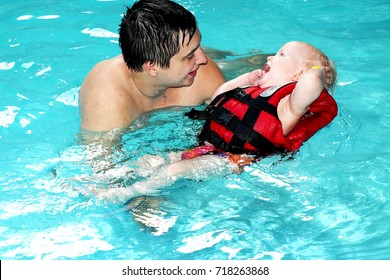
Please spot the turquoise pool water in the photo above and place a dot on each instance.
(331, 201)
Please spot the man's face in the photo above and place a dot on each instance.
(184, 65)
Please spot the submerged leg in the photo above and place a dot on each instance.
(203, 167)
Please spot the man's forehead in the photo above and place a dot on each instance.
(187, 40)
(190, 46)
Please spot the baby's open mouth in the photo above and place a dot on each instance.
(266, 68)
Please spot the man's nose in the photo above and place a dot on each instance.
(201, 57)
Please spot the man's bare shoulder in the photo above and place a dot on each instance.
(104, 72)
(103, 104)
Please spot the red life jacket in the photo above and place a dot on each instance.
(246, 120)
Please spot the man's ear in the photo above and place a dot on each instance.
(150, 68)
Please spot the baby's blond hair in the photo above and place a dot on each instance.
(323, 59)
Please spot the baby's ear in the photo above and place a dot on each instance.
(298, 75)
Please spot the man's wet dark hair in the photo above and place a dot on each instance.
(152, 30)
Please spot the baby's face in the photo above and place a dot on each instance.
(285, 64)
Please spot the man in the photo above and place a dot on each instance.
(162, 65)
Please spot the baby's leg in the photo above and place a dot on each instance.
(148, 164)
(203, 167)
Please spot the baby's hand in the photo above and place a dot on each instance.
(255, 76)
(327, 75)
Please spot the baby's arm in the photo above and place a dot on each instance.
(308, 89)
(247, 79)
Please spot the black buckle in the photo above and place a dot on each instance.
(240, 94)
(197, 115)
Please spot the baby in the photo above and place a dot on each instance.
(263, 112)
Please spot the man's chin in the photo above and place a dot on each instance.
(189, 81)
